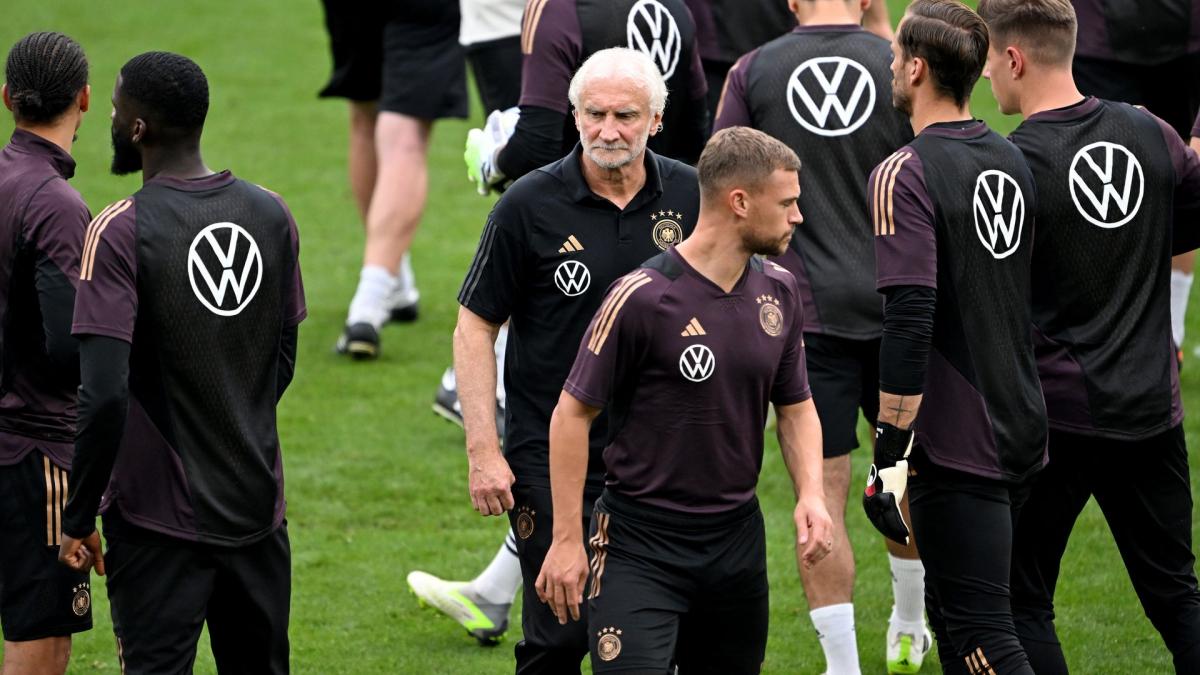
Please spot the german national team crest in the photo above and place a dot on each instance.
(652, 30)
(1112, 171)
(227, 252)
(831, 95)
(608, 646)
(999, 212)
(81, 600)
(525, 522)
(769, 316)
(697, 363)
(572, 278)
(667, 230)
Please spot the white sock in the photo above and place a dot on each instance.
(501, 345)
(835, 628)
(908, 593)
(498, 584)
(370, 299)
(404, 293)
(1181, 288)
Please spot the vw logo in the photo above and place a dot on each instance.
(999, 212)
(652, 30)
(1116, 174)
(223, 258)
(831, 95)
(572, 278)
(697, 363)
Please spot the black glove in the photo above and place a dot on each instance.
(887, 481)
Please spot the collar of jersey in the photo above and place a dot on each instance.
(572, 176)
(1067, 113)
(712, 285)
(961, 129)
(30, 143)
(209, 182)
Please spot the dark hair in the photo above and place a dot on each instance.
(170, 90)
(1045, 29)
(951, 39)
(45, 72)
(741, 157)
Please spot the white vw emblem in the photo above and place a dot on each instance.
(1105, 162)
(999, 212)
(697, 363)
(572, 277)
(234, 262)
(652, 31)
(841, 85)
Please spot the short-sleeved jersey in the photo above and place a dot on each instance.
(557, 36)
(42, 220)
(1108, 176)
(726, 29)
(550, 248)
(826, 91)
(200, 277)
(1137, 32)
(686, 371)
(954, 211)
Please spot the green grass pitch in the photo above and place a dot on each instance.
(376, 483)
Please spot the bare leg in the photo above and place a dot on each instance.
(48, 656)
(829, 586)
(362, 162)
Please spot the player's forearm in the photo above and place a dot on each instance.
(103, 405)
(569, 427)
(475, 372)
(908, 317)
(799, 432)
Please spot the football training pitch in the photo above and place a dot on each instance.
(376, 483)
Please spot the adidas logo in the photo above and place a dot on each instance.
(571, 245)
(693, 328)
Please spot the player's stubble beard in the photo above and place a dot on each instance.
(901, 100)
(773, 247)
(126, 159)
(630, 153)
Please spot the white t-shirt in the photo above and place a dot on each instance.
(484, 20)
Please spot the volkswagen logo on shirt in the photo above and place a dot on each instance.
(697, 363)
(572, 278)
(652, 30)
(1116, 174)
(999, 212)
(831, 95)
(225, 268)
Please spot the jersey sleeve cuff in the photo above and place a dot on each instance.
(888, 282)
(794, 399)
(584, 397)
(81, 329)
(549, 103)
(296, 319)
(484, 313)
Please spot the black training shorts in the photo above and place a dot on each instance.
(39, 597)
(406, 57)
(844, 377)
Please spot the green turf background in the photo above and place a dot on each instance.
(376, 482)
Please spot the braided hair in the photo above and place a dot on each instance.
(45, 72)
(170, 90)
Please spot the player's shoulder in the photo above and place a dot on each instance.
(547, 22)
(905, 162)
(57, 194)
(115, 227)
(777, 274)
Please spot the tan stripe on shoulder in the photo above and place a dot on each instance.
(891, 189)
(616, 309)
(725, 90)
(607, 305)
(93, 238)
(533, 16)
(876, 201)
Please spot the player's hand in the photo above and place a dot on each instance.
(814, 529)
(478, 156)
(490, 481)
(563, 576)
(887, 481)
(81, 554)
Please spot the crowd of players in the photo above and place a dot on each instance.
(1006, 323)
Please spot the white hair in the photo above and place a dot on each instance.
(623, 63)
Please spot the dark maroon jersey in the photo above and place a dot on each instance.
(42, 220)
(686, 371)
(1137, 31)
(1114, 185)
(826, 91)
(726, 29)
(201, 277)
(953, 211)
(557, 36)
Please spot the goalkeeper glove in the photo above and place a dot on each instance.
(887, 481)
(484, 144)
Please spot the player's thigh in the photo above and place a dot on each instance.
(356, 42)
(424, 67)
(250, 607)
(727, 638)
(159, 595)
(834, 374)
(633, 623)
(39, 597)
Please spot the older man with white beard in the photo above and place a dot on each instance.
(552, 245)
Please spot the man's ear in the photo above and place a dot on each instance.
(139, 130)
(7, 98)
(1016, 62)
(738, 201)
(85, 98)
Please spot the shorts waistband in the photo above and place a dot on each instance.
(655, 515)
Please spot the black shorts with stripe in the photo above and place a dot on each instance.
(39, 597)
(670, 588)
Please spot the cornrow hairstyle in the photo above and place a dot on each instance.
(45, 72)
(169, 89)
